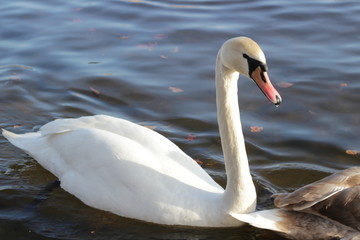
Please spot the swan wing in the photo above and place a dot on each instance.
(343, 207)
(318, 191)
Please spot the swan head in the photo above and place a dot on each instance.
(243, 55)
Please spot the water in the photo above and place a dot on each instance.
(152, 62)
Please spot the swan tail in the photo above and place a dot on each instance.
(36, 145)
(20, 140)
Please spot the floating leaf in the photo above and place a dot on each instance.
(17, 126)
(94, 91)
(198, 162)
(190, 137)
(343, 84)
(175, 89)
(124, 37)
(352, 152)
(256, 129)
(285, 84)
(211, 163)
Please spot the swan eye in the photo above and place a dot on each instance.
(253, 64)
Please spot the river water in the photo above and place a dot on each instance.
(152, 62)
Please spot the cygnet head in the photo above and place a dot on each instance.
(243, 55)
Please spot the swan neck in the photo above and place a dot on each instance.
(240, 195)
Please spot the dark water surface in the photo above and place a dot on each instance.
(152, 62)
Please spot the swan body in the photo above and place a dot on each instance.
(118, 166)
(121, 167)
(326, 209)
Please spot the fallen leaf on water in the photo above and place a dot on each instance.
(211, 163)
(198, 162)
(17, 126)
(94, 91)
(190, 137)
(124, 37)
(285, 84)
(256, 129)
(352, 152)
(175, 89)
(343, 84)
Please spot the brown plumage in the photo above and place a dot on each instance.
(318, 191)
(336, 197)
(327, 209)
(306, 226)
(343, 207)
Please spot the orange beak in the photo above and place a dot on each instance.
(262, 79)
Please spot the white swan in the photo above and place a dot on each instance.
(121, 167)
